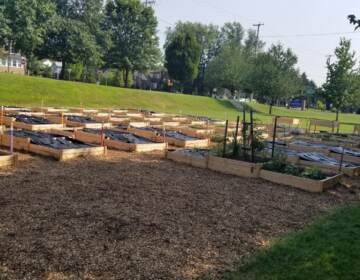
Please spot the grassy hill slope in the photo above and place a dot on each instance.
(33, 91)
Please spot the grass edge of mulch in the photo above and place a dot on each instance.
(325, 249)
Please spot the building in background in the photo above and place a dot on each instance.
(12, 63)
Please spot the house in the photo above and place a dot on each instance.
(55, 67)
(12, 63)
(154, 80)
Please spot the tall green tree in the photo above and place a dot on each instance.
(229, 69)
(341, 85)
(132, 30)
(275, 77)
(70, 37)
(23, 24)
(182, 57)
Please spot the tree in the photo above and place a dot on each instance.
(228, 70)
(275, 77)
(354, 20)
(341, 85)
(182, 57)
(132, 29)
(23, 24)
(70, 37)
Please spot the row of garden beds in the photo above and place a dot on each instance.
(203, 159)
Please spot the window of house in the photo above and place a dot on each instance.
(14, 63)
(19, 64)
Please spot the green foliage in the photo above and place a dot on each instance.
(320, 105)
(279, 164)
(326, 249)
(77, 71)
(274, 75)
(342, 84)
(314, 173)
(228, 70)
(183, 57)
(132, 30)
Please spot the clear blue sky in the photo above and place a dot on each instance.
(281, 18)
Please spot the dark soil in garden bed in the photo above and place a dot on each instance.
(141, 217)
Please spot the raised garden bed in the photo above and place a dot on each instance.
(234, 167)
(84, 111)
(196, 158)
(30, 122)
(174, 138)
(197, 132)
(119, 140)
(305, 184)
(350, 155)
(79, 121)
(58, 147)
(7, 159)
(326, 163)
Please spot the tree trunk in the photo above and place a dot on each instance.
(126, 80)
(271, 106)
(337, 115)
(62, 73)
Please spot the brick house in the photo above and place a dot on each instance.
(12, 63)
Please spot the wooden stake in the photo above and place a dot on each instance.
(11, 138)
(274, 137)
(236, 135)
(225, 138)
(252, 135)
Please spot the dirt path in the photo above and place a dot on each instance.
(139, 217)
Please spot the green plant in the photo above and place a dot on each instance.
(277, 163)
(313, 173)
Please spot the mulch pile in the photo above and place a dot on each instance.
(140, 217)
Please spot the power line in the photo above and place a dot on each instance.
(310, 35)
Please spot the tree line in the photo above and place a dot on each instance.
(87, 36)
(107, 41)
(205, 58)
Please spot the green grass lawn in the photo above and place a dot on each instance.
(33, 91)
(310, 113)
(329, 249)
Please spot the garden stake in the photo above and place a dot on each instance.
(341, 159)
(102, 134)
(244, 133)
(274, 137)
(225, 137)
(252, 135)
(11, 138)
(236, 135)
(2, 115)
(164, 133)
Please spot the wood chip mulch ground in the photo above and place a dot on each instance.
(141, 217)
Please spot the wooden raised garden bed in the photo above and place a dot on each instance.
(7, 159)
(302, 183)
(96, 138)
(62, 154)
(193, 159)
(156, 134)
(28, 126)
(234, 167)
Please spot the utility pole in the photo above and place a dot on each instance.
(258, 25)
(149, 2)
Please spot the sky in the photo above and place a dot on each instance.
(311, 28)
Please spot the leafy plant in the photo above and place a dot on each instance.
(313, 173)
